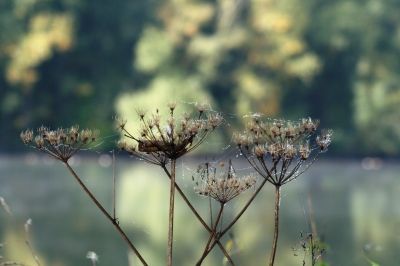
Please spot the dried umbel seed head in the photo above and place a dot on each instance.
(310, 125)
(259, 151)
(26, 136)
(141, 112)
(225, 187)
(286, 144)
(172, 105)
(128, 147)
(215, 120)
(256, 117)
(170, 138)
(39, 142)
(201, 107)
(304, 150)
(60, 144)
(325, 139)
(89, 135)
(121, 122)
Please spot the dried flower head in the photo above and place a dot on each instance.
(226, 186)
(277, 149)
(172, 105)
(160, 140)
(121, 122)
(325, 139)
(60, 144)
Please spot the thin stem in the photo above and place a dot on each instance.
(276, 231)
(211, 236)
(200, 219)
(24, 235)
(239, 214)
(171, 213)
(113, 221)
(114, 174)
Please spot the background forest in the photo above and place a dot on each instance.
(66, 62)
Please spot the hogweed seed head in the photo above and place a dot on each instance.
(277, 149)
(201, 107)
(60, 144)
(121, 122)
(26, 136)
(325, 139)
(141, 112)
(226, 186)
(172, 105)
(173, 137)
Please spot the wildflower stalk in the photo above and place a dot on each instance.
(171, 213)
(61, 145)
(112, 220)
(280, 144)
(200, 219)
(221, 188)
(276, 230)
(211, 235)
(160, 144)
(221, 234)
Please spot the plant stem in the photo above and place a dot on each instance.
(211, 236)
(276, 231)
(113, 221)
(200, 219)
(239, 215)
(171, 213)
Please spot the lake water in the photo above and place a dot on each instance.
(355, 206)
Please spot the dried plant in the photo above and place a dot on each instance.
(277, 150)
(62, 144)
(162, 142)
(24, 236)
(222, 188)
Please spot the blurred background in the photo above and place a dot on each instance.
(67, 62)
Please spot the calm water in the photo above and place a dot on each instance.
(356, 208)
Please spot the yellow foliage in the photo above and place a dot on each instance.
(183, 18)
(258, 94)
(46, 31)
(152, 50)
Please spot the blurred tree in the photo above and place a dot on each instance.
(68, 62)
(64, 62)
(242, 53)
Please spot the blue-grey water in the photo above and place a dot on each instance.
(355, 208)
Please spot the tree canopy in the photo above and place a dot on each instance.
(83, 62)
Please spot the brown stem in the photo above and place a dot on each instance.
(211, 236)
(200, 219)
(171, 213)
(113, 221)
(239, 214)
(276, 231)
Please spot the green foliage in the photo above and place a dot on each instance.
(71, 61)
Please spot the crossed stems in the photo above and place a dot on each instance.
(173, 187)
(198, 216)
(291, 176)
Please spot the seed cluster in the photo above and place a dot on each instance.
(224, 187)
(177, 136)
(280, 142)
(60, 144)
